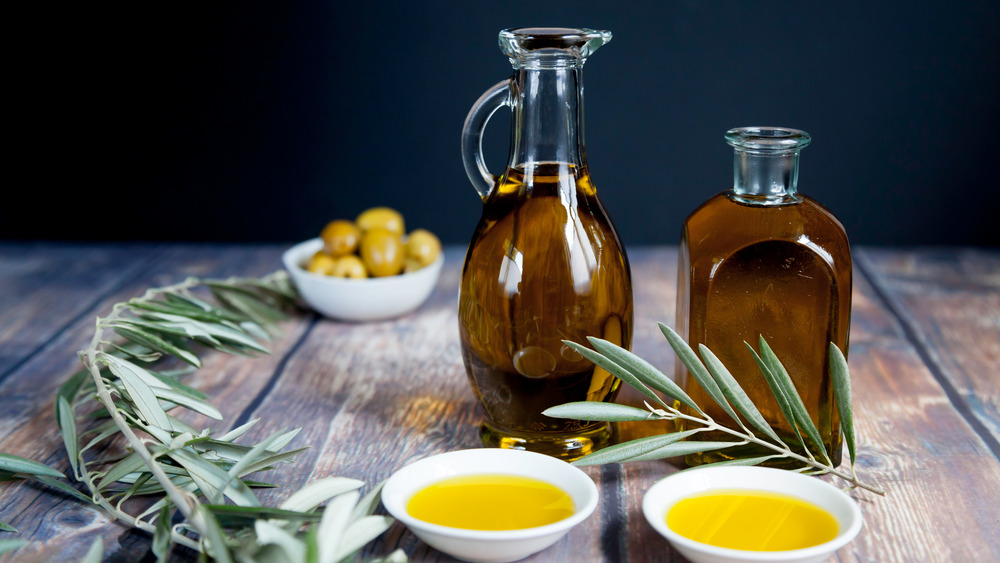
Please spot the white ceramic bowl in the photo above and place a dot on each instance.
(359, 300)
(485, 545)
(662, 496)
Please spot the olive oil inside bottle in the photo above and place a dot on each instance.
(544, 265)
(782, 272)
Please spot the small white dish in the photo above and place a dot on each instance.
(662, 496)
(369, 299)
(487, 545)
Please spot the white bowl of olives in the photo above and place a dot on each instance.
(367, 269)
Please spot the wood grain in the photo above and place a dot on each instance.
(942, 481)
(44, 287)
(371, 397)
(62, 529)
(948, 303)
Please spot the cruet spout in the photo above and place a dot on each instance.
(551, 42)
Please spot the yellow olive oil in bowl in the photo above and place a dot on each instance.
(752, 520)
(491, 502)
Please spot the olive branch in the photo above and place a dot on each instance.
(723, 388)
(181, 484)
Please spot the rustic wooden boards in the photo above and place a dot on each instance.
(927, 392)
(372, 397)
(59, 528)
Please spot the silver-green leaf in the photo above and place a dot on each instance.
(841, 377)
(595, 410)
(697, 370)
(132, 376)
(96, 551)
(214, 538)
(7, 545)
(685, 448)
(17, 464)
(614, 369)
(632, 450)
(784, 381)
(67, 426)
(137, 334)
(735, 393)
(643, 371)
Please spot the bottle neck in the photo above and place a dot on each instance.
(547, 117)
(765, 178)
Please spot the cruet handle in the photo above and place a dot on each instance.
(472, 135)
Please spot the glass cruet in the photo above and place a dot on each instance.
(545, 263)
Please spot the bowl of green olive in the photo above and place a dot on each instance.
(367, 269)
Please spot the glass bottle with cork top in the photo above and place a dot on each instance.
(763, 260)
(545, 263)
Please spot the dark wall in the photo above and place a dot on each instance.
(260, 121)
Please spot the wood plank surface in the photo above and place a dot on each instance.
(948, 302)
(372, 397)
(942, 481)
(45, 287)
(61, 529)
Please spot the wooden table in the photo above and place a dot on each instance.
(925, 358)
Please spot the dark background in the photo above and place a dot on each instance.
(260, 121)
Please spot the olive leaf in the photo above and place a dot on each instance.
(11, 544)
(71, 388)
(152, 341)
(842, 396)
(62, 487)
(16, 464)
(332, 526)
(230, 516)
(161, 537)
(780, 395)
(734, 393)
(141, 394)
(360, 532)
(614, 368)
(96, 551)
(643, 371)
(214, 541)
(780, 377)
(130, 464)
(697, 370)
(269, 534)
(318, 492)
(726, 391)
(595, 410)
(633, 449)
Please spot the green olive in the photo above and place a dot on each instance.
(411, 265)
(382, 252)
(381, 218)
(321, 263)
(340, 237)
(350, 266)
(423, 247)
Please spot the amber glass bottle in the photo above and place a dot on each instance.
(545, 264)
(762, 259)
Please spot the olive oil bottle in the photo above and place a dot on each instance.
(762, 259)
(545, 264)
